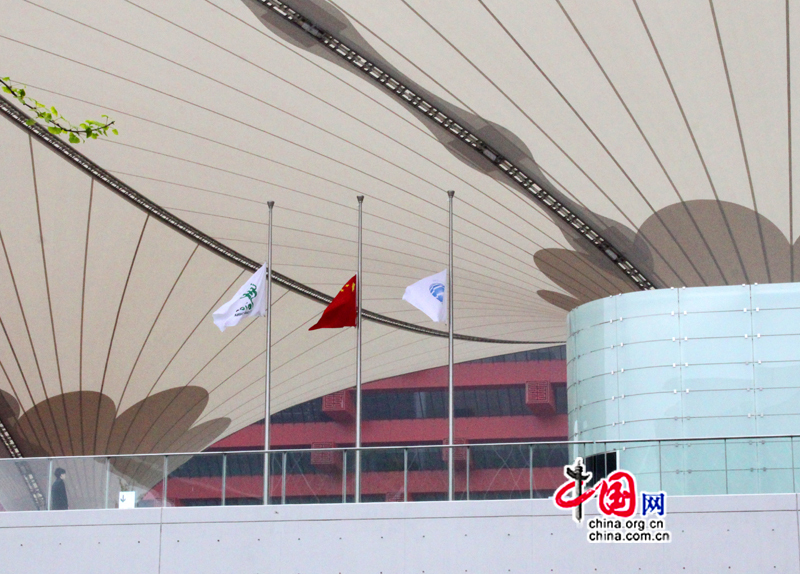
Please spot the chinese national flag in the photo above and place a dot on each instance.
(342, 310)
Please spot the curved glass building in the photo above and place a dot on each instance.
(689, 363)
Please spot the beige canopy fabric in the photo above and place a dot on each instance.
(663, 128)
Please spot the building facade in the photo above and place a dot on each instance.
(518, 398)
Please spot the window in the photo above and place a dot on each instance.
(488, 402)
(307, 412)
(558, 353)
(601, 465)
(560, 392)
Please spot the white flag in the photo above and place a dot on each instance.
(429, 295)
(250, 300)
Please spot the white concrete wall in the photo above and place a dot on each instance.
(747, 533)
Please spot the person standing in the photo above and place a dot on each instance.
(58, 492)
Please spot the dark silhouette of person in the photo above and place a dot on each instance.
(58, 492)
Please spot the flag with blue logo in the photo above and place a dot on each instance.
(429, 295)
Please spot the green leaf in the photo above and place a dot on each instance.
(21, 92)
(30, 122)
(74, 139)
(6, 90)
(55, 112)
(115, 132)
(6, 79)
(54, 130)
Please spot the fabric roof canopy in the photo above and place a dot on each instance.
(664, 129)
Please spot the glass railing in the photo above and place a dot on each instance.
(733, 465)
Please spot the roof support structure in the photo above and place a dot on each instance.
(521, 179)
(18, 117)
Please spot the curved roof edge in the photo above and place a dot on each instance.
(433, 112)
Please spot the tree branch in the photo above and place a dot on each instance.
(57, 124)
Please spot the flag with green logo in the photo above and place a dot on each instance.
(250, 301)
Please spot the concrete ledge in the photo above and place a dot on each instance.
(739, 533)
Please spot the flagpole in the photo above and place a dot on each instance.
(450, 417)
(268, 366)
(359, 285)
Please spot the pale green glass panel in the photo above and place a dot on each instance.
(776, 348)
(649, 406)
(599, 414)
(779, 402)
(738, 376)
(648, 380)
(653, 429)
(778, 424)
(719, 426)
(601, 336)
(776, 481)
(596, 389)
(638, 304)
(729, 298)
(712, 351)
(596, 363)
(704, 455)
(775, 296)
(638, 457)
(743, 482)
(718, 403)
(652, 328)
(655, 354)
(600, 311)
(777, 375)
(705, 482)
(673, 483)
(776, 322)
(718, 324)
(741, 454)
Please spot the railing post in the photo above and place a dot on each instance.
(660, 472)
(530, 467)
(725, 456)
(166, 477)
(49, 483)
(344, 475)
(467, 473)
(357, 477)
(108, 480)
(224, 475)
(283, 479)
(405, 475)
(267, 472)
(791, 447)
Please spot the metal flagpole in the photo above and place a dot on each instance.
(450, 462)
(359, 284)
(268, 366)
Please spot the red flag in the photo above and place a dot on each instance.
(342, 310)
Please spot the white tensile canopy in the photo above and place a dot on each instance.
(659, 132)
